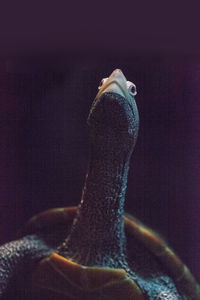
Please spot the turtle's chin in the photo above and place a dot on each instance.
(112, 112)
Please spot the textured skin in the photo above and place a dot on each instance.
(19, 256)
(98, 230)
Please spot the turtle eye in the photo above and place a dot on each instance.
(131, 88)
(102, 83)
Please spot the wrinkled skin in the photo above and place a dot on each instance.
(97, 236)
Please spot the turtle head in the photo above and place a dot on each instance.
(114, 115)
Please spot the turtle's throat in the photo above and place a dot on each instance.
(97, 236)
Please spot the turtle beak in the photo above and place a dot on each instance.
(115, 83)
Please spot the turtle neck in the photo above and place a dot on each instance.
(97, 236)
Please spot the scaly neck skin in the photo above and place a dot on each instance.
(98, 229)
(97, 235)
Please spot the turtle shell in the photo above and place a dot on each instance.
(56, 277)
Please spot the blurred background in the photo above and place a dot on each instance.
(44, 104)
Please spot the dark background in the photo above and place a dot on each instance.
(44, 141)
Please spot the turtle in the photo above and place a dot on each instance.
(95, 250)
